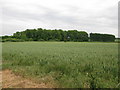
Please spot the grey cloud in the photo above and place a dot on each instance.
(50, 15)
(103, 21)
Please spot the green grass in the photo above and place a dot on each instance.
(70, 64)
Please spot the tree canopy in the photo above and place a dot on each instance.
(51, 35)
(102, 37)
(58, 35)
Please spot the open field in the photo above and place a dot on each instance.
(64, 64)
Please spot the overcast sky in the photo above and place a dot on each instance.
(100, 16)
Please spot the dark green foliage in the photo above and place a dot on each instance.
(57, 35)
(102, 37)
(51, 35)
(11, 39)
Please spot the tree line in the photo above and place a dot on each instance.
(102, 37)
(57, 35)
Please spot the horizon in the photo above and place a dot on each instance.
(99, 16)
(62, 30)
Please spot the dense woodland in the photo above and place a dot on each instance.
(102, 37)
(57, 35)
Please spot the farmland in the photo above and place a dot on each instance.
(65, 64)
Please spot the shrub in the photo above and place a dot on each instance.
(12, 40)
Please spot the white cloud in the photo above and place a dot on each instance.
(89, 15)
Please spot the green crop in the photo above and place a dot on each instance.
(70, 64)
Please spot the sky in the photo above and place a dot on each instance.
(96, 16)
